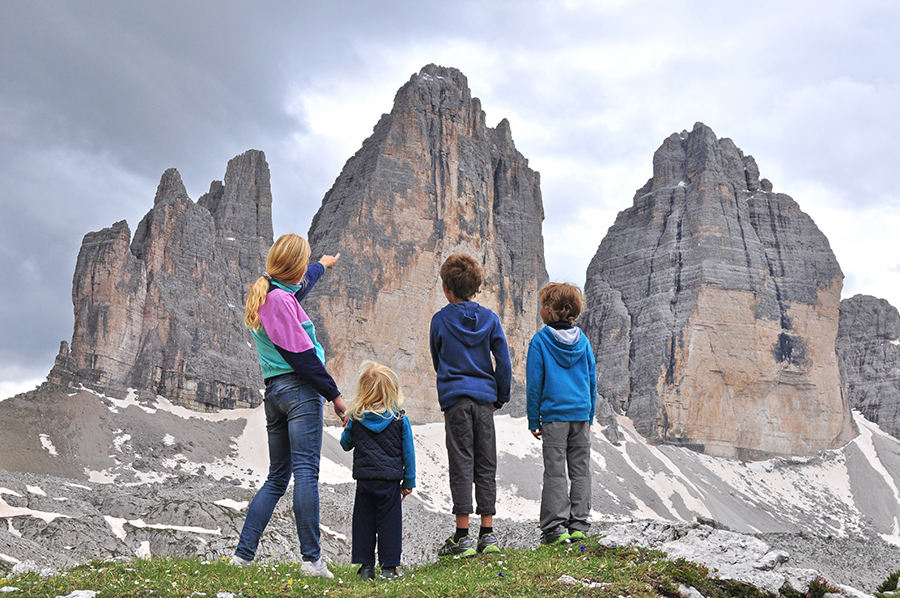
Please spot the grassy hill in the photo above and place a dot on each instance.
(574, 570)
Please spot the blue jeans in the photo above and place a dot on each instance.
(294, 426)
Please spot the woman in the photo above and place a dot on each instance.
(297, 384)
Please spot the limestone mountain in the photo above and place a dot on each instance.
(868, 347)
(432, 180)
(712, 306)
(162, 312)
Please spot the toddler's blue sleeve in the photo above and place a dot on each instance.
(409, 456)
(347, 437)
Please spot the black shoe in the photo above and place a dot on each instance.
(389, 573)
(366, 572)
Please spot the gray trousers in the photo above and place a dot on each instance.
(472, 456)
(567, 449)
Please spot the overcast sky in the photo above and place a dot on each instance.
(99, 98)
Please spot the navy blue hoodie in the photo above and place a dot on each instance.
(463, 338)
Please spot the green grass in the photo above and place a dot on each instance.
(630, 573)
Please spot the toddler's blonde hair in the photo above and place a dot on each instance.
(377, 390)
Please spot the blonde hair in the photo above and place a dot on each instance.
(563, 300)
(377, 391)
(286, 263)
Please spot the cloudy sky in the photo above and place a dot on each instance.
(99, 98)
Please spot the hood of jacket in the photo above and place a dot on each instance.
(468, 322)
(377, 422)
(567, 346)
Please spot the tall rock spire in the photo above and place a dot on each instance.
(163, 312)
(713, 309)
(432, 180)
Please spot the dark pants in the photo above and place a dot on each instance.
(377, 514)
(472, 456)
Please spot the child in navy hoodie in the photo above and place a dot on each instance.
(474, 375)
(384, 467)
(561, 391)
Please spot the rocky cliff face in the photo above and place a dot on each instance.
(868, 348)
(713, 309)
(432, 180)
(163, 312)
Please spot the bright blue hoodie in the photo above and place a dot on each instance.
(561, 377)
(463, 338)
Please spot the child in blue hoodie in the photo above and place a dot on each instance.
(474, 376)
(561, 391)
(384, 467)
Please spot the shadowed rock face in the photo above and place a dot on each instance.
(868, 347)
(432, 180)
(713, 309)
(163, 312)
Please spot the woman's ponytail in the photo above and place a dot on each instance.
(255, 298)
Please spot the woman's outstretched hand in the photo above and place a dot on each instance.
(329, 260)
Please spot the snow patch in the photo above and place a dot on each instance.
(143, 551)
(237, 505)
(7, 511)
(9, 559)
(118, 526)
(79, 486)
(12, 529)
(168, 440)
(47, 444)
(36, 490)
(332, 533)
(8, 491)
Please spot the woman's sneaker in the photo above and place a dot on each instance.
(240, 562)
(557, 535)
(488, 544)
(576, 536)
(464, 548)
(315, 569)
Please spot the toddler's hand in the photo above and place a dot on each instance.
(404, 492)
(329, 260)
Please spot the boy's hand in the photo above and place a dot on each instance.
(404, 492)
(329, 260)
(536, 433)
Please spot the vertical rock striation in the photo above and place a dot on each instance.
(713, 309)
(163, 312)
(868, 348)
(432, 180)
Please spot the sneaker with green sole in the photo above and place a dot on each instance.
(462, 549)
(557, 535)
(576, 536)
(488, 544)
